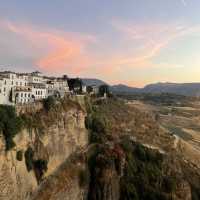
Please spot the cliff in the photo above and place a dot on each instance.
(97, 150)
(56, 135)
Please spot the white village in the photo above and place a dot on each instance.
(26, 88)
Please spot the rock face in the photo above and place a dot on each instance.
(183, 191)
(60, 138)
(64, 183)
(107, 185)
(111, 168)
(106, 170)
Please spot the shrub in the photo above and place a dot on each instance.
(98, 124)
(19, 155)
(128, 191)
(83, 177)
(96, 138)
(29, 158)
(140, 152)
(169, 184)
(49, 103)
(10, 124)
(88, 122)
(127, 144)
(103, 89)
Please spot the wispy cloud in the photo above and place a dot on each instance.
(58, 51)
(148, 40)
(137, 47)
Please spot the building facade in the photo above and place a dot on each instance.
(23, 88)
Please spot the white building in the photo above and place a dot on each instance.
(26, 88)
(22, 95)
(57, 87)
(10, 80)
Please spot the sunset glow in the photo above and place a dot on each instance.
(119, 42)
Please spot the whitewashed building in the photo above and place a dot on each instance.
(22, 95)
(57, 86)
(23, 88)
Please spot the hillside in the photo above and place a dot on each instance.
(188, 89)
(137, 158)
(97, 149)
(93, 81)
(120, 89)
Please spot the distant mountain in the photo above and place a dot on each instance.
(187, 89)
(124, 89)
(93, 81)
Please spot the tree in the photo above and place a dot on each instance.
(49, 103)
(75, 84)
(103, 89)
(10, 124)
(89, 89)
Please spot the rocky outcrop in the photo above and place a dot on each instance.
(60, 138)
(183, 191)
(65, 183)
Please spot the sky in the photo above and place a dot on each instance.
(133, 42)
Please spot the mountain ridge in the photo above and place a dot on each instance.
(186, 89)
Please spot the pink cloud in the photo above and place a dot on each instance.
(59, 51)
(67, 52)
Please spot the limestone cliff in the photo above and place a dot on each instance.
(118, 156)
(65, 182)
(63, 132)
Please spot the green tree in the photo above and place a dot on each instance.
(10, 124)
(103, 89)
(49, 103)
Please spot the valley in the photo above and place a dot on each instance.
(181, 120)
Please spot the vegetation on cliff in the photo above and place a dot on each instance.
(38, 165)
(10, 124)
(121, 168)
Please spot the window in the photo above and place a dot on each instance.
(12, 82)
(25, 94)
(5, 82)
(20, 83)
(0, 90)
(16, 83)
(21, 94)
(4, 89)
